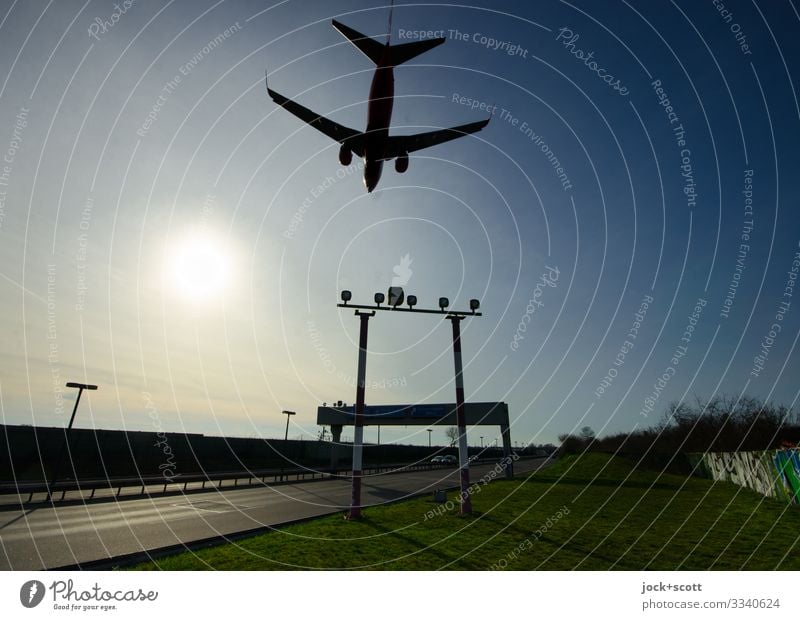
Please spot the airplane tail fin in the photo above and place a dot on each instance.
(372, 49)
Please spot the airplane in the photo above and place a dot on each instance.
(375, 145)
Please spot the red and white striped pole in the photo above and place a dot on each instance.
(358, 423)
(463, 452)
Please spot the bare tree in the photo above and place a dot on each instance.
(452, 434)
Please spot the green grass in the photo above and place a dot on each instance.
(618, 517)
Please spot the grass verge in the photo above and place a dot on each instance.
(592, 512)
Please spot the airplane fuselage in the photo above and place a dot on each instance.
(379, 117)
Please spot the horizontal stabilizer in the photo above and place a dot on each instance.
(397, 54)
(369, 47)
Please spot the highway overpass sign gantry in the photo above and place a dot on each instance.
(441, 414)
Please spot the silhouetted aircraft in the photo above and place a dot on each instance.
(375, 145)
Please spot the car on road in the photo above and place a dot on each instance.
(437, 460)
(449, 459)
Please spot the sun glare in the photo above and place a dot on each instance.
(199, 268)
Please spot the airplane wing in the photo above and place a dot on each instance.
(330, 128)
(400, 145)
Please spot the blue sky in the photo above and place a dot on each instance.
(171, 234)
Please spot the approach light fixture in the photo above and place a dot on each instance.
(396, 296)
(395, 299)
(364, 312)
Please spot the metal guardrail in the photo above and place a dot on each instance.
(152, 484)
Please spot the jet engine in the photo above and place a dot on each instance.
(345, 155)
(401, 163)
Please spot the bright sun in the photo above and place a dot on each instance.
(199, 268)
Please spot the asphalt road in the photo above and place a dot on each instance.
(47, 536)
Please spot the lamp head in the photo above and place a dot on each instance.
(412, 301)
(379, 298)
(346, 296)
(443, 303)
(474, 304)
(396, 296)
(82, 386)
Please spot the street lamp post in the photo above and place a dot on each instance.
(429, 437)
(288, 414)
(80, 387)
(481, 442)
(395, 299)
